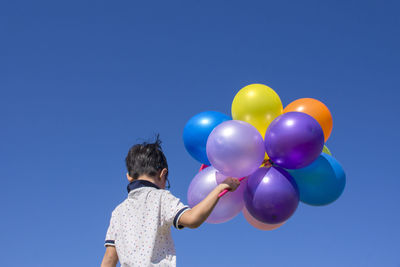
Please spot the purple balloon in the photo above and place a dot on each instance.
(294, 140)
(271, 195)
(227, 207)
(235, 148)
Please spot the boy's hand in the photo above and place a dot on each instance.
(231, 183)
(194, 217)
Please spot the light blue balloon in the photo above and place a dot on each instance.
(197, 130)
(321, 182)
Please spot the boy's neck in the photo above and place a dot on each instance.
(146, 178)
(135, 184)
(150, 179)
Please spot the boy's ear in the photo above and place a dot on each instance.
(163, 172)
(130, 179)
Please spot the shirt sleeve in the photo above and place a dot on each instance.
(111, 232)
(172, 209)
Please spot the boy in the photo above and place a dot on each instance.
(140, 227)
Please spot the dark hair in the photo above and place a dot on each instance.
(146, 158)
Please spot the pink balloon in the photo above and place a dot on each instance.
(257, 224)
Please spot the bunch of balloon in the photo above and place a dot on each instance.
(300, 167)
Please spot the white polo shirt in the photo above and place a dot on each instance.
(140, 227)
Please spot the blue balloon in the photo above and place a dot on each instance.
(321, 182)
(197, 130)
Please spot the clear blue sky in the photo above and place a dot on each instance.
(82, 81)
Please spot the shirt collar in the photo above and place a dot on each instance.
(140, 183)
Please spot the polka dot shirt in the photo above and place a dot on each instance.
(140, 227)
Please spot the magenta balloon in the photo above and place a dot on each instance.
(227, 207)
(271, 195)
(294, 140)
(257, 224)
(235, 148)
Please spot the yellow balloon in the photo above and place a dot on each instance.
(258, 105)
(326, 151)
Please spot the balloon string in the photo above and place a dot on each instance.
(266, 163)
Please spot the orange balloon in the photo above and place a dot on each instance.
(315, 109)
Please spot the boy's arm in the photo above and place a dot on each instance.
(194, 217)
(110, 258)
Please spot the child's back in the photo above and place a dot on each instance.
(140, 226)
